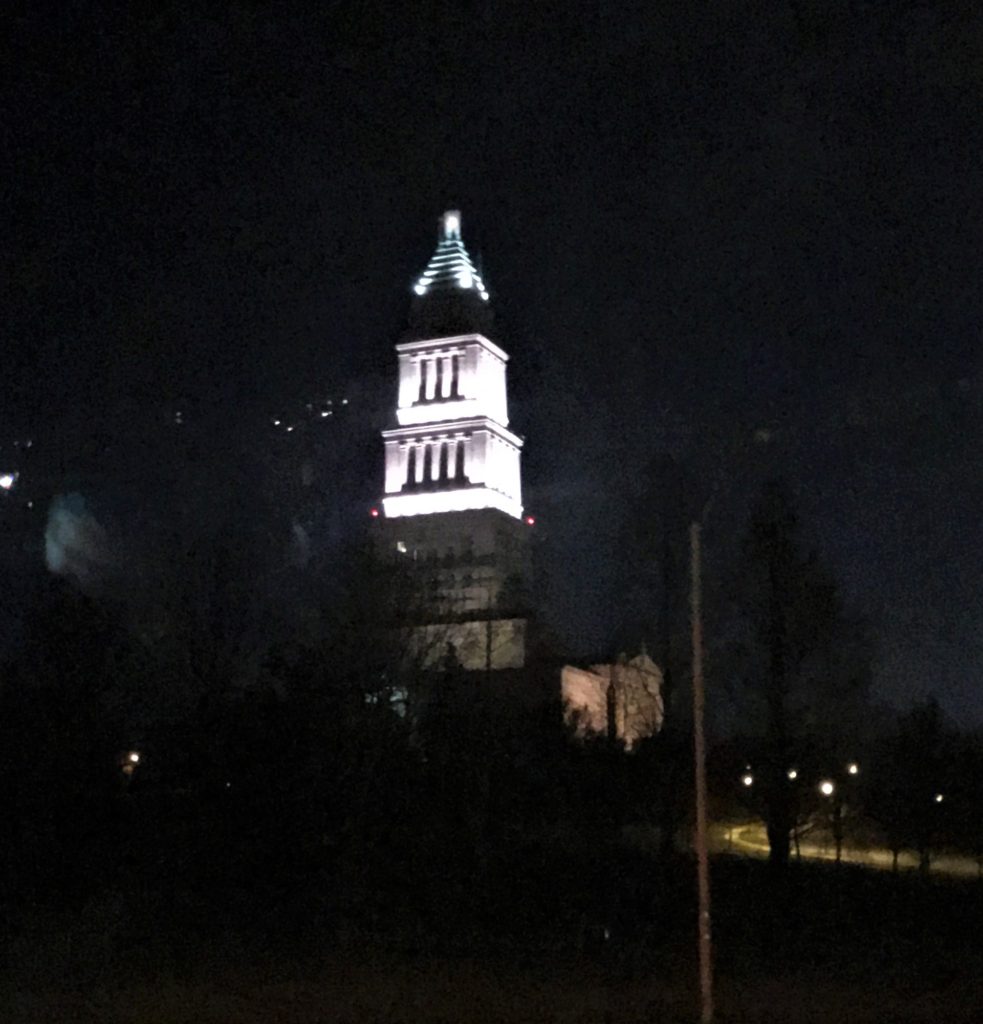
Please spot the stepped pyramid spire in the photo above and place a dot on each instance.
(449, 296)
(450, 268)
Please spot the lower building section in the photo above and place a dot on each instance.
(490, 645)
(465, 576)
(467, 564)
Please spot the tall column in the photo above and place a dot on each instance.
(393, 479)
(409, 381)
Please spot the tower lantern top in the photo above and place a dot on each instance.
(450, 226)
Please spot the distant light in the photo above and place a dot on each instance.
(939, 798)
(374, 512)
(464, 279)
(826, 787)
(325, 413)
(793, 774)
(276, 423)
(747, 779)
(133, 757)
(853, 768)
(530, 520)
(452, 225)
(420, 288)
(401, 546)
(30, 504)
(7, 480)
(344, 401)
(290, 429)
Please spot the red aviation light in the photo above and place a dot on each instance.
(530, 520)
(374, 512)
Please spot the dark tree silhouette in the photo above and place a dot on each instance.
(913, 769)
(803, 663)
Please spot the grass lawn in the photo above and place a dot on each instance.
(831, 946)
(375, 988)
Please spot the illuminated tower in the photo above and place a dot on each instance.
(453, 495)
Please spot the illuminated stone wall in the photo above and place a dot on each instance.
(637, 697)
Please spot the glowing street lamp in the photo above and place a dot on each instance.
(853, 768)
(747, 779)
(826, 787)
(793, 774)
(7, 481)
(939, 798)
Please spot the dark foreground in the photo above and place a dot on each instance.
(841, 946)
(364, 986)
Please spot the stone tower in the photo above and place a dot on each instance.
(452, 503)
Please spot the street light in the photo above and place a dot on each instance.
(826, 787)
(792, 774)
(939, 798)
(747, 779)
(853, 768)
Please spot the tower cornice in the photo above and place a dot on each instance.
(443, 428)
(450, 341)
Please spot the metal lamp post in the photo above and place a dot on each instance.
(700, 774)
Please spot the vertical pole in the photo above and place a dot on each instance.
(838, 826)
(488, 636)
(700, 774)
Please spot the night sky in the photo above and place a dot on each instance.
(700, 224)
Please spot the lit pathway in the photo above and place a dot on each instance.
(752, 840)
